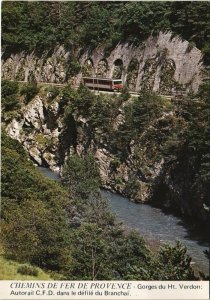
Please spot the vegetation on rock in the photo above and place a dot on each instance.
(29, 91)
(153, 149)
(73, 234)
(41, 25)
(9, 91)
(158, 148)
(152, 129)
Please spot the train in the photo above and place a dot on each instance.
(98, 83)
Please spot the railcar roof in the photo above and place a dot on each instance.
(102, 78)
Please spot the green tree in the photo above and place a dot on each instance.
(191, 21)
(81, 176)
(172, 263)
(91, 254)
(101, 113)
(41, 235)
(9, 93)
(131, 257)
(146, 109)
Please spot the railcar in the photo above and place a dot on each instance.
(98, 83)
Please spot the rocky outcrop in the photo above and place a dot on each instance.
(164, 63)
(142, 174)
(35, 131)
(40, 129)
(173, 192)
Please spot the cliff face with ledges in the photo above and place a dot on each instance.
(139, 171)
(165, 64)
(131, 159)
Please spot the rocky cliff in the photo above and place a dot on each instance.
(127, 138)
(165, 63)
(41, 129)
(131, 162)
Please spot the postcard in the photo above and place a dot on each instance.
(105, 150)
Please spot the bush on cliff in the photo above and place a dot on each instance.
(9, 95)
(29, 91)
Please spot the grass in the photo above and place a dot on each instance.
(8, 271)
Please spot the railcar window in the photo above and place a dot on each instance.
(87, 80)
(95, 81)
(104, 82)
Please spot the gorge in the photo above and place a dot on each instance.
(149, 143)
(155, 226)
(131, 152)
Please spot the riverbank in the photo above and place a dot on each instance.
(157, 227)
(154, 225)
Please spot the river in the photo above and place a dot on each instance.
(153, 224)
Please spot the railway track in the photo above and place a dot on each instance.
(43, 83)
(96, 92)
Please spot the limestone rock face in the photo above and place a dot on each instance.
(33, 113)
(164, 63)
(38, 131)
(47, 68)
(104, 158)
(139, 175)
(48, 142)
(14, 129)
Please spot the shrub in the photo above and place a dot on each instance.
(9, 90)
(28, 270)
(52, 91)
(10, 102)
(29, 91)
(67, 96)
(125, 95)
(81, 176)
(115, 163)
(73, 67)
(173, 263)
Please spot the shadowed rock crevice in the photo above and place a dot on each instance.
(67, 140)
